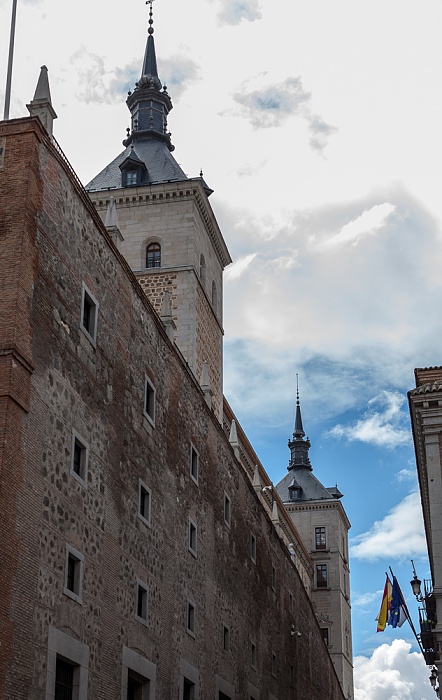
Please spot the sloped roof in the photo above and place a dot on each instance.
(160, 163)
(312, 489)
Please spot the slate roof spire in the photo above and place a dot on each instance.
(299, 457)
(149, 103)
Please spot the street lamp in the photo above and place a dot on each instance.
(433, 677)
(415, 584)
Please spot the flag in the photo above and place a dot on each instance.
(384, 612)
(398, 608)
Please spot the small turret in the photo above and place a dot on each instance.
(41, 105)
(299, 447)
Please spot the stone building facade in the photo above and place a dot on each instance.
(425, 402)
(144, 552)
(137, 558)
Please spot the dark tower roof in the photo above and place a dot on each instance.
(300, 484)
(148, 139)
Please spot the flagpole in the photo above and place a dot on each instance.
(10, 58)
(407, 614)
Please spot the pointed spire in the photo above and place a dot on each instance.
(298, 446)
(166, 316)
(149, 103)
(233, 439)
(41, 105)
(111, 222)
(205, 384)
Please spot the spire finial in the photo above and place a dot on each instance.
(151, 29)
(297, 390)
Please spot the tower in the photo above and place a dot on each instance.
(322, 523)
(167, 230)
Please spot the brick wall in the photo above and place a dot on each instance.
(98, 391)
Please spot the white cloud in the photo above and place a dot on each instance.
(399, 534)
(406, 475)
(368, 223)
(362, 600)
(384, 424)
(234, 11)
(268, 106)
(392, 673)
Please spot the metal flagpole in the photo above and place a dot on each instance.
(407, 614)
(11, 54)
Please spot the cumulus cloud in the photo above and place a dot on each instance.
(269, 106)
(238, 267)
(400, 533)
(368, 223)
(234, 11)
(392, 673)
(384, 424)
(362, 600)
(406, 475)
(101, 85)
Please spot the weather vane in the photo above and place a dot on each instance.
(149, 2)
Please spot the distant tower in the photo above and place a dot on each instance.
(323, 526)
(169, 234)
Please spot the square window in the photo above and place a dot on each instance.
(138, 677)
(253, 655)
(79, 458)
(321, 576)
(227, 510)
(141, 602)
(89, 314)
(191, 618)
(67, 667)
(325, 635)
(149, 401)
(73, 574)
(226, 638)
(194, 464)
(320, 540)
(192, 538)
(253, 547)
(144, 503)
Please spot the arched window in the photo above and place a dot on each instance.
(153, 255)
(214, 298)
(202, 270)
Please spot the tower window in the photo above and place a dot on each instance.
(321, 576)
(153, 255)
(192, 538)
(226, 638)
(131, 178)
(227, 510)
(320, 540)
(325, 635)
(79, 459)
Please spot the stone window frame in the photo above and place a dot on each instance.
(89, 327)
(325, 634)
(321, 548)
(149, 404)
(143, 487)
(190, 617)
(227, 510)
(194, 466)
(61, 645)
(143, 668)
(191, 674)
(143, 589)
(73, 554)
(323, 566)
(253, 547)
(223, 686)
(156, 248)
(78, 440)
(192, 538)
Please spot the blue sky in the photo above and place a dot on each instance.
(318, 127)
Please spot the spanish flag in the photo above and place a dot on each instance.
(384, 612)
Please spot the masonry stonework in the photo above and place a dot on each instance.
(53, 243)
